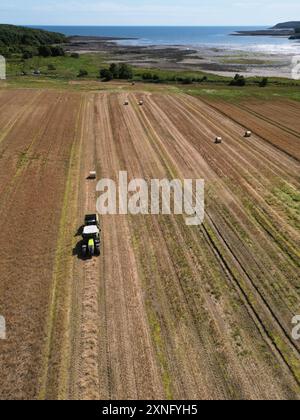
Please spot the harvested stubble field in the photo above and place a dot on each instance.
(167, 311)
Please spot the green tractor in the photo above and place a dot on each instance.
(91, 237)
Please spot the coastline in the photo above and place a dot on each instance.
(220, 60)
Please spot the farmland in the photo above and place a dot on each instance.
(167, 310)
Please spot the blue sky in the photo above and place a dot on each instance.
(148, 12)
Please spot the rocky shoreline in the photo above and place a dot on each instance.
(266, 32)
(215, 60)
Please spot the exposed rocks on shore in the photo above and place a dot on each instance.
(225, 62)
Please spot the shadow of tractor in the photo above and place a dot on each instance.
(77, 251)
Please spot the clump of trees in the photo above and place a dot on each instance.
(106, 75)
(117, 71)
(50, 51)
(125, 72)
(185, 79)
(43, 51)
(238, 80)
(151, 77)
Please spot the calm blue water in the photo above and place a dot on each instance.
(215, 36)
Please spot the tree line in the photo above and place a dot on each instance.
(17, 39)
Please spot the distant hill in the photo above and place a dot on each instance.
(16, 38)
(287, 25)
(285, 29)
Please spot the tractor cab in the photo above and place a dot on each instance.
(91, 241)
(91, 220)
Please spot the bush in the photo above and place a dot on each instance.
(264, 82)
(51, 51)
(45, 51)
(151, 77)
(57, 51)
(51, 67)
(187, 80)
(27, 55)
(75, 55)
(147, 76)
(238, 80)
(5, 51)
(29, 52)
(82, 73)
(106, 75)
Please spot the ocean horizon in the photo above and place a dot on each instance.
(190, 36)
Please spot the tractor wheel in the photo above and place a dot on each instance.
(84, 251)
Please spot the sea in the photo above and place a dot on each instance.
(201, 36)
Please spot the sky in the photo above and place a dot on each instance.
(149, 12)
